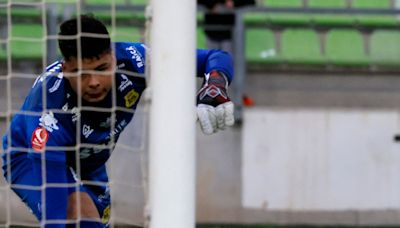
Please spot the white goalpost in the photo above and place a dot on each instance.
(172, 114)
(166, 185)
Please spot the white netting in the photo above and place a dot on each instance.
(28, 31)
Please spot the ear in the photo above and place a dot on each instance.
(114, 58)
(63, 66)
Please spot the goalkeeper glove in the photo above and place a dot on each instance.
(214, 108)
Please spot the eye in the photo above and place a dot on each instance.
(84, 76)
(102, 68)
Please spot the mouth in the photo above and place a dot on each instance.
(94, 96)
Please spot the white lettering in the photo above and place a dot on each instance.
(76, 113)
(124, 83)
(136, 56)
(55, 86)
(87, 130)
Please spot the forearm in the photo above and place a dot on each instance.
(208, 60)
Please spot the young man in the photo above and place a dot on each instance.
(57, 145)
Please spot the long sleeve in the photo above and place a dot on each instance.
(208, 60)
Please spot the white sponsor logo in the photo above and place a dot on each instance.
(106, 195)
(107, 123)
(124, 83)
(118, 128)
(65, 107)
(76, 114)
(74, 175)
(55, 86)
(87, 130)
(53, 68)
(85, 153)
(49, 122)
(136, 56)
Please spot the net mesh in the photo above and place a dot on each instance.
(28, 45)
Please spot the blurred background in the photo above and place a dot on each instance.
(317, 90)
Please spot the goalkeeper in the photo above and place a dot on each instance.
(57, 139)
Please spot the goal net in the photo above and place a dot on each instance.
(28, 34)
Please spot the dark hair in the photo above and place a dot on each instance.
(93, 36)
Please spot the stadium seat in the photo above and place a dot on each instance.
(301, 46)
(371, 4)
(117, 2)
(132, 34)
(297, 45)
(283, 3)
(30, 48)
(327, 3)
(201, 38)
(385, 48)
(260, 46)
(345, 47)
(374, 19)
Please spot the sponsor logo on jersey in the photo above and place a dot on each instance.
(39, 139)
(76, 114)
(55, 86)
(65, 107)
(136, 56)
(124, 83)
(48, 121)
(118, 129)
(106, 215)
(130, 98)
(105, 196)
(85, 153)
(106, 124)
(86, 130)
(51, 70)
(39, 79)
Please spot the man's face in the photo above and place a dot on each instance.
(95, 76)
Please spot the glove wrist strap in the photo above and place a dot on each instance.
(216, 78)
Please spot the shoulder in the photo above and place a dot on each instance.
(131, 55)
(52, 83)
(135, 51)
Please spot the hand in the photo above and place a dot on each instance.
(214, 108)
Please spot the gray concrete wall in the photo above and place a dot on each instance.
(290, 91)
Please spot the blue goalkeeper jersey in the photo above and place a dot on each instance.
(53, 124)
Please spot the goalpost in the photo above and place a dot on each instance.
(172, 114)
(171, 132)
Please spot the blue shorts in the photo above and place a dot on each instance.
(61, 180)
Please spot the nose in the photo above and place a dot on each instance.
(93, 81)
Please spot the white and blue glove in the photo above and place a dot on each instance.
(214, 108)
